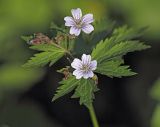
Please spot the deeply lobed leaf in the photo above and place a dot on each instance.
(121, 34)
(109, 53)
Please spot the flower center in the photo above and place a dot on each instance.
(85, 68)
(78, 23)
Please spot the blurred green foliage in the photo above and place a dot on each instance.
(15, 77)
(140, 13)
(155, 93)
(156, 116)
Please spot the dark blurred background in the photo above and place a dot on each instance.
(25, 95)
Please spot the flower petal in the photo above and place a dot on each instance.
(78, 74)
(89, 74)
(77, 13)
(76, 64)
(69, 21)
(86, 59)
(93, 65)
(88, 18)
(75, 31)
(87, 28)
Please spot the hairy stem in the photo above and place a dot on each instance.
(93, 116)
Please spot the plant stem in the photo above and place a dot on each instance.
(93, 116)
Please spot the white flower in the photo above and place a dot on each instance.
(85, 67)
(78, 23)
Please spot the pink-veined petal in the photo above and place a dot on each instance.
(78, 74)
(88, 18)
(87, 28)
(86, 59)
(69, 21)
(75, 31)
(93, 65)
(76, 64)
(77, 13)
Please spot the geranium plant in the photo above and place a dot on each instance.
(106, 57)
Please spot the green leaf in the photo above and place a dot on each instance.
(85, 91)
(67, 85)
(123, 48)
(124, 33)
(50, 55)
(105, 51)
(114, 69)
(109, 53)
(118, 41)
(41, 59)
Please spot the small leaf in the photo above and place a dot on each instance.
(85, 91)
(67, 85)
